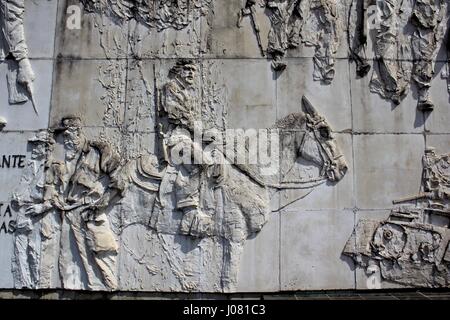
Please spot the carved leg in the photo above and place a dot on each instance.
(77, 226)
(50, 231)
(424, 50)
(231, 256)
(34, 254)
(106, 262)
(21, 270)
(49, 249)
(102, 243)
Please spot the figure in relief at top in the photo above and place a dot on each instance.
(311, 22)
(13, 48)
(429, 22)
(159, 14)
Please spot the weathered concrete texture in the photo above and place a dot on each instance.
(380, 177)
(15, 114)
(333, 100)
(13, 158)
(145, 42)
(226, 40)
(93, 90)
(251, 93)
(99, 37)
(328, 195)
(169, 262)
(141, 98)
(40, 23)
(259, 269)
(311, 245)
(133, 92)
(13, 143)
(373, 114)
(441, 142)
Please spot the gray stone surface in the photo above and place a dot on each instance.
(380, 177)
(373, 114)
(333, 100)
(40, 27)
(136, 76)
(311, 245)
(251, 93)
(93, 90)
(260, 265)
(89, 42)
(21, 116)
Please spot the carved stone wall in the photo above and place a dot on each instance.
(224, 145)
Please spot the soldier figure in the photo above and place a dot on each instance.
(427, 17)
(186, 160)
(32, 204)
(90, 187)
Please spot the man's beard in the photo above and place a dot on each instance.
(71, 151)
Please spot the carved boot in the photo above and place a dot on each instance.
(425, 104)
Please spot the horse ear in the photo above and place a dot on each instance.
(308, 107)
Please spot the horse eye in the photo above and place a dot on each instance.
(324, 133)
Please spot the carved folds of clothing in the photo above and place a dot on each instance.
(278, 35)
(27, 240)
(436, 175)
(357, 36)
(402, 58)
(389, 82)
(160, 14)
(289, 20)
(187, 181)
(13, 45)
(13, 39)
(428, 18)
(91, 189)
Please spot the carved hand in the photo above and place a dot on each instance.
(36, 209)
(25, 74)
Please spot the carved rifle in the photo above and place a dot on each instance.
(420, 196)
(357, 36)
(250, 10)
(33, 102)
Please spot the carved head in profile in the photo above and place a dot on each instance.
(42, 143)
(72, 135)
(326, 152)
(184, 71)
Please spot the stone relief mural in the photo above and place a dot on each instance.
(418, 49)
(157, 14)
(160, 194)
(196, 194)
(411, 247)
(406, 37)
